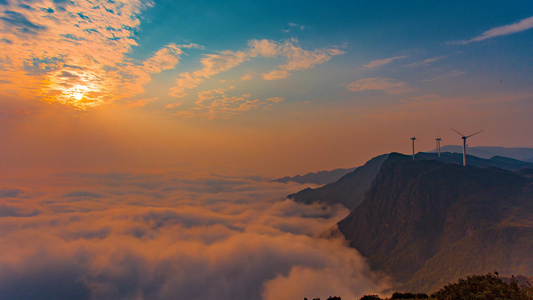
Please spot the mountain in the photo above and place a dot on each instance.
(348, 191)
(351, 188)
(525, 154)
(427, 222)
(319, 178)
(506, 163)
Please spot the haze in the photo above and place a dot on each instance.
(139, 138)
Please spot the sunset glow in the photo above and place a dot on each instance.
(140, 138)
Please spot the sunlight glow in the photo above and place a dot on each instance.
(83, 91)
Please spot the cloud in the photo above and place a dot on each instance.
(11, 193)
(164, 59)
(445, 75)
(216, 104)
(522, 25)
(239, 240)
(139, 102)
(247, 76)
(275, 74)
(390, 86)
(426, 62)
(296, 59)
(382, 62)
(18, 22)
(294, 26)
(172, 105)
(82, 194)
(74, 53)
(14, 211)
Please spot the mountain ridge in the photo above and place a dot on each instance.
(350, 189)
(520, 153)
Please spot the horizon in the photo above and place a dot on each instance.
(288, 91)
(139, 137)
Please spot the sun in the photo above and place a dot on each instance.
(78, 96)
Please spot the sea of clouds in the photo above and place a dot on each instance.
(172, 236)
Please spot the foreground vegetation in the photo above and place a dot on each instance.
(489, 287)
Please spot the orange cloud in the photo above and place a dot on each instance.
(162, 236)
(74, 53)
(382, 62)
(390, 86)
(215, 104)
(296, 59)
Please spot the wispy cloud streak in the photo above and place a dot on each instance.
(382, 62)
(522, 25)
(426, 62)
(390, 86)
(296, 59)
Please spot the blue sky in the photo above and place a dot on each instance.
(416, 31)
(307, 73)
(139, 139)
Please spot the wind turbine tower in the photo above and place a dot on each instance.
(413, 139)
(464, 137)
(438, 145)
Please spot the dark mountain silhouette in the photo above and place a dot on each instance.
(320, 178)
(525, 154)
(427, 222)
(348, 191)
(506, 163)
(351, 188)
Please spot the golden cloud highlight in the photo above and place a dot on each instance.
(164, 236)
(74, 53)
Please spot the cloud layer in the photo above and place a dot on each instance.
(165, 236)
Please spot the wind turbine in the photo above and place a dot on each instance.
(438, 145)
(464, 137)
(413, 139)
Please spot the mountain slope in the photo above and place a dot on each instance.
(424, 221)
(348, 191)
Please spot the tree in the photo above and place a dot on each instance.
(370, 297)
(488, 286)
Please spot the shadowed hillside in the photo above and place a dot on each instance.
(426, 222)
(348, 191)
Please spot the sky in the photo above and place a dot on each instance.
(124, 122)
(270, 87)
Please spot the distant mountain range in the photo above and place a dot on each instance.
(324, 177)
(525, 154)
(429, 221)
(350, 189)
(321, 177)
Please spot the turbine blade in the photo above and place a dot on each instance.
(475, 133)
(457, 132)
